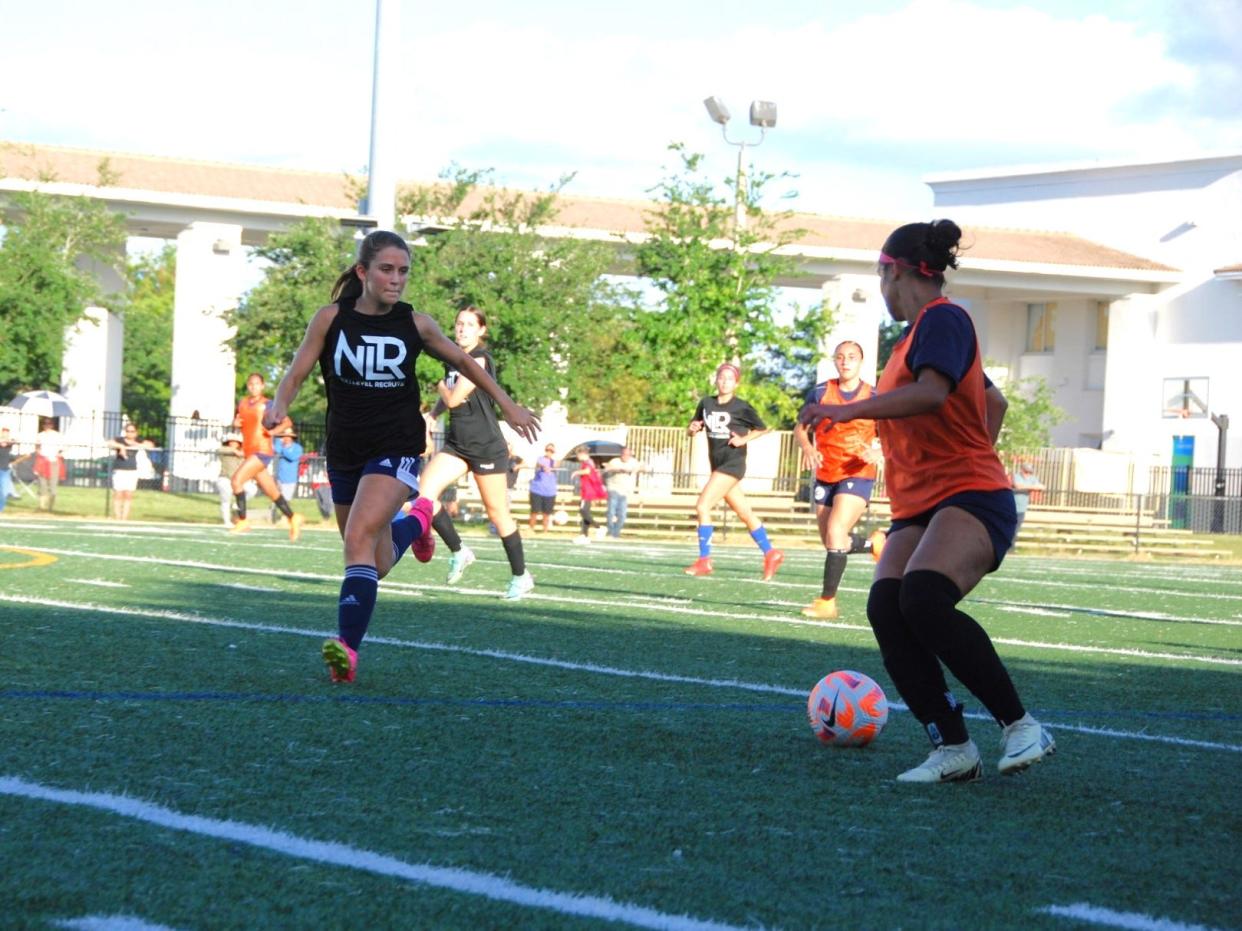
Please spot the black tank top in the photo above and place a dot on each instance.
(473, 427)
(373, 399)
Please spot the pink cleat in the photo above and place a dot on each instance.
(342, 661)
(425, 546)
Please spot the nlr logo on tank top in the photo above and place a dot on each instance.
(378, 359)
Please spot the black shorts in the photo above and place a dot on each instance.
(542, 504)
(491, 461)
(733, 467)
(994, 509)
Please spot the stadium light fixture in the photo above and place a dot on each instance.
(762, 116)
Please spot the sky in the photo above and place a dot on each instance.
(872, 97)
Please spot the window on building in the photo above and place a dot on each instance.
(1041, 327)
(1101, 325)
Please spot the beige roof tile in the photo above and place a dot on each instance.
(252, 182)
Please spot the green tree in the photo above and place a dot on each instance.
(543, 298)
(45, 282)
(271, 320)
(719, 299)
(147, 365)
(1031, 415)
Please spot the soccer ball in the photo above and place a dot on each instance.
(847, 709)
(560, 518)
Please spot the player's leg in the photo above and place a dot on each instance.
(443, 471)
(837, 523)
(718, 485)
(772, 557)
(251, 466)
(493, 489)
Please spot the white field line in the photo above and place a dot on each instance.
(411, 589)
(100, 583)
(108, 923)
(592, 668)
(466, 882)
(1018, 609)
(1131, 921)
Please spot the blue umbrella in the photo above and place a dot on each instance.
(42, 404)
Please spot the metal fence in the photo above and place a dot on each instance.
(1204, 500)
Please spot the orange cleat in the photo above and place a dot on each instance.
(702, 566)
(822, 609)
(241, 525)
(342, 661)
(295, 527)
(772, 560)
(877, 541)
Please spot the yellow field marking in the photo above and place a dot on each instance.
(37, 558)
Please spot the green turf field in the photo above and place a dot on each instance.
(627, 746)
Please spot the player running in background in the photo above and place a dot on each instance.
(366, 342)
(730, 423)
(473, 443)
(258, 452)
(843, 457)
(953, 511)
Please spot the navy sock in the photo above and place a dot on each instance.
(356, 604)
(405, 530)
(834, 568)
(448, 533)
(513, 550)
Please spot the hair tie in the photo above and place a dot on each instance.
(928, 272)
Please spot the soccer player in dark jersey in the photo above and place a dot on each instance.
(953, 511)
(258, 452)
(473, 443)
(730, 423)
(843, 458)
(366, 342)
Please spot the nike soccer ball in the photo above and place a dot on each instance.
(847, 709)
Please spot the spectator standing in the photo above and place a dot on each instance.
(590, 490)
(6, 463)
(125, 469)
(1025, 481)
(543, 488)
(620, 478)
(288, 462)
(49, 446)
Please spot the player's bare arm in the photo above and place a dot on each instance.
(276, 414)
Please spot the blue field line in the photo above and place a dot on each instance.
(1049, 715)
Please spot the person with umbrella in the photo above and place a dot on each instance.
(49, 444)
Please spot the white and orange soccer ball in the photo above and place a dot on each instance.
(847, 709)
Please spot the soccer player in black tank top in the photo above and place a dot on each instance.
(474, 444)
(366, 342)
(730, 423)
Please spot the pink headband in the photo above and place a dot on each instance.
(737, 372)
(921, 268)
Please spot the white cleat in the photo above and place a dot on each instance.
(949, 763)
(458, 562)
(519, 585)
(1023, 743)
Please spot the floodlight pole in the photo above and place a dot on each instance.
(381, 179)
(739, 186)
(1218, 507)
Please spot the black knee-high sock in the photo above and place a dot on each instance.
(834, 568)
(928, 602)
(283, 506)
(913, 667)
(859, 544)
(443, 525)
(513, 550)
(241, 505)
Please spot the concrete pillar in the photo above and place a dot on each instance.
(210, 275)
(210, 267)
(1132, 385)
(859, 311)
(91, 377)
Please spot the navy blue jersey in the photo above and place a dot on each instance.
(367, 366)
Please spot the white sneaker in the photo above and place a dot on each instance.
(519, 585)
(581, 539)
(458, 562)
(949, 763)
(1024, 742)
